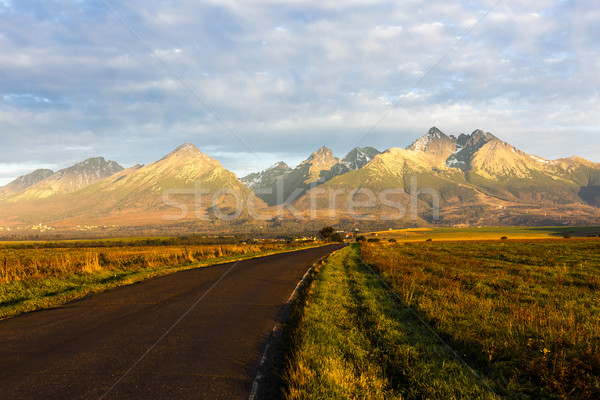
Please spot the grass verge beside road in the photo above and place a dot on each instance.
(350, 338)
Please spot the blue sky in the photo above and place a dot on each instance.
(254, 82)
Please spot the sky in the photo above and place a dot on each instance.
(255, 82)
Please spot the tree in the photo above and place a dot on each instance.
(361, 238)
(337, 237)
(327, 232)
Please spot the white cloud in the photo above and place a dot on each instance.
(291, 76)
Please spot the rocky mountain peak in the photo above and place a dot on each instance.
(279, 166)
(88, 170)
(469, 146)
(436, 144)
(578, 160)
(432, 140)
(358, 157)
(188, 154)
(25, 181)
(323, 154)
(72, 178)
(479, 136)
(321, 159)
(32, 178)
(267, 178)
(186, 149)
(435, 132)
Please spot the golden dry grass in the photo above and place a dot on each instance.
(38, 263)
(526, 313)
(483, 233)
(33, 277)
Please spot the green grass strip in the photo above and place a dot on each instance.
(352, 339)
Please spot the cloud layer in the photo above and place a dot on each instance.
(257, 81)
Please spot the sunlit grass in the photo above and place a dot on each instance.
(526, 313)
(352, 339)
(482, 233)
(35, 278)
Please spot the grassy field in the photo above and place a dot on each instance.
(42, 275)
(483, 233)
(523, 314)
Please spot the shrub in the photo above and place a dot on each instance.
(337, 237)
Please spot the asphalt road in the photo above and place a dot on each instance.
(196, 334)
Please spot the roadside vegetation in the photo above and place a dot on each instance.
(42, 275)
(523, 314)
(350, 339)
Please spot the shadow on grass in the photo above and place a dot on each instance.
(415, 362)
(13, 301)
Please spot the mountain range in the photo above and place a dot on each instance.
(475, 179)
(44, 183)
(279, 183)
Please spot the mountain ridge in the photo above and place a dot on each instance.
(24, 181)
(70, 179)
(277, 184)
(473, 175)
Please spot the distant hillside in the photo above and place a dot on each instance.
(137, 194)
(70, 179)
(23, 182)
(476, 179)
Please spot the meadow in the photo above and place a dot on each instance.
(484, 233)
(36, 275)
(523, 315)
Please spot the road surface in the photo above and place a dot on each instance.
(196, 334)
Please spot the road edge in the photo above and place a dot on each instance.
(268, 360)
